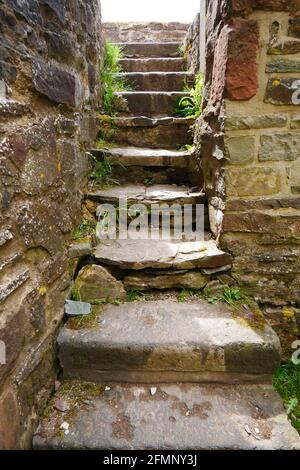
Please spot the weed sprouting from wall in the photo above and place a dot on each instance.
(110, 77)
(191, 105)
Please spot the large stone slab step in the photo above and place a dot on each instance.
(160, 254)
(151, 49)
(145, 157)
(142, 131)
(148, 103)
(157, 81)
(162, 64)
(167, 341)
(170, 417)
(155, 194)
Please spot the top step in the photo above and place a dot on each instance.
(151, 49)
(145, 32)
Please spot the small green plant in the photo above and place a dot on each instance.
(132, 295)
(84, 229)
(230, 296)
(148, 180)
(185, 294)
(286, 382)
(102, 170)
(191, 106)
(110, 79)
(181, 50)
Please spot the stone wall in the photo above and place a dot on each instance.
(192, 45)
(49, 92)
(249, 136)
(145, 32)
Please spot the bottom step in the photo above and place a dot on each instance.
(179, 416)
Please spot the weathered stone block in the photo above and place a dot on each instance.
(9, 422)
(60, 46)
(284, 48)
(38, 224)
(253, 181)
(295, 177)
(11, 285)
(280, 221)
(240, 149)
(277, 5)
(5, 236)
(8, 72)
(56, 83)
(76, 250)
(260, 121)
(294, 28)
(95, 283)
(242, 72)
(28, 9)
(295, 121)
(277, 147)
(13, 335)
(166, 280)
(283, 91)
(283, 66)
(57, 6)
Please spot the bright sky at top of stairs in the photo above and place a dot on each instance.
(152, 10)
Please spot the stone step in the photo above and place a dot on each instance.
(145, 157)
(160, 254)
(167, 341)
(151, 49)
(161, 64)
(169, 417)
(155, 194)
(157, 81)
(148, 103)
(142, 131)
(150, 32)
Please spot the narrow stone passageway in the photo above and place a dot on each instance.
(155, 373)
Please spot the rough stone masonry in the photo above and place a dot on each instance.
(49, 92)
(248, 139)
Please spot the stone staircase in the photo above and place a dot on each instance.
(166, 375)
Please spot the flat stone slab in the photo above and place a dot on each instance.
(167, 341)
(157, 81)
(149, 194)
(150, 49)
(161, 64)
(142, 254)
(171, 417)
(146, 121)
(134, 156)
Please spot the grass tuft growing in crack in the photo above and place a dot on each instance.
(110, 80)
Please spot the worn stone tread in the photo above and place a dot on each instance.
(150, 49)
(170, 341)
(136, 156)
(145, 121)
(149, 194)
(157, 81)
(141, 254)
(177, 416)
(160, 64)
(149, 103)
